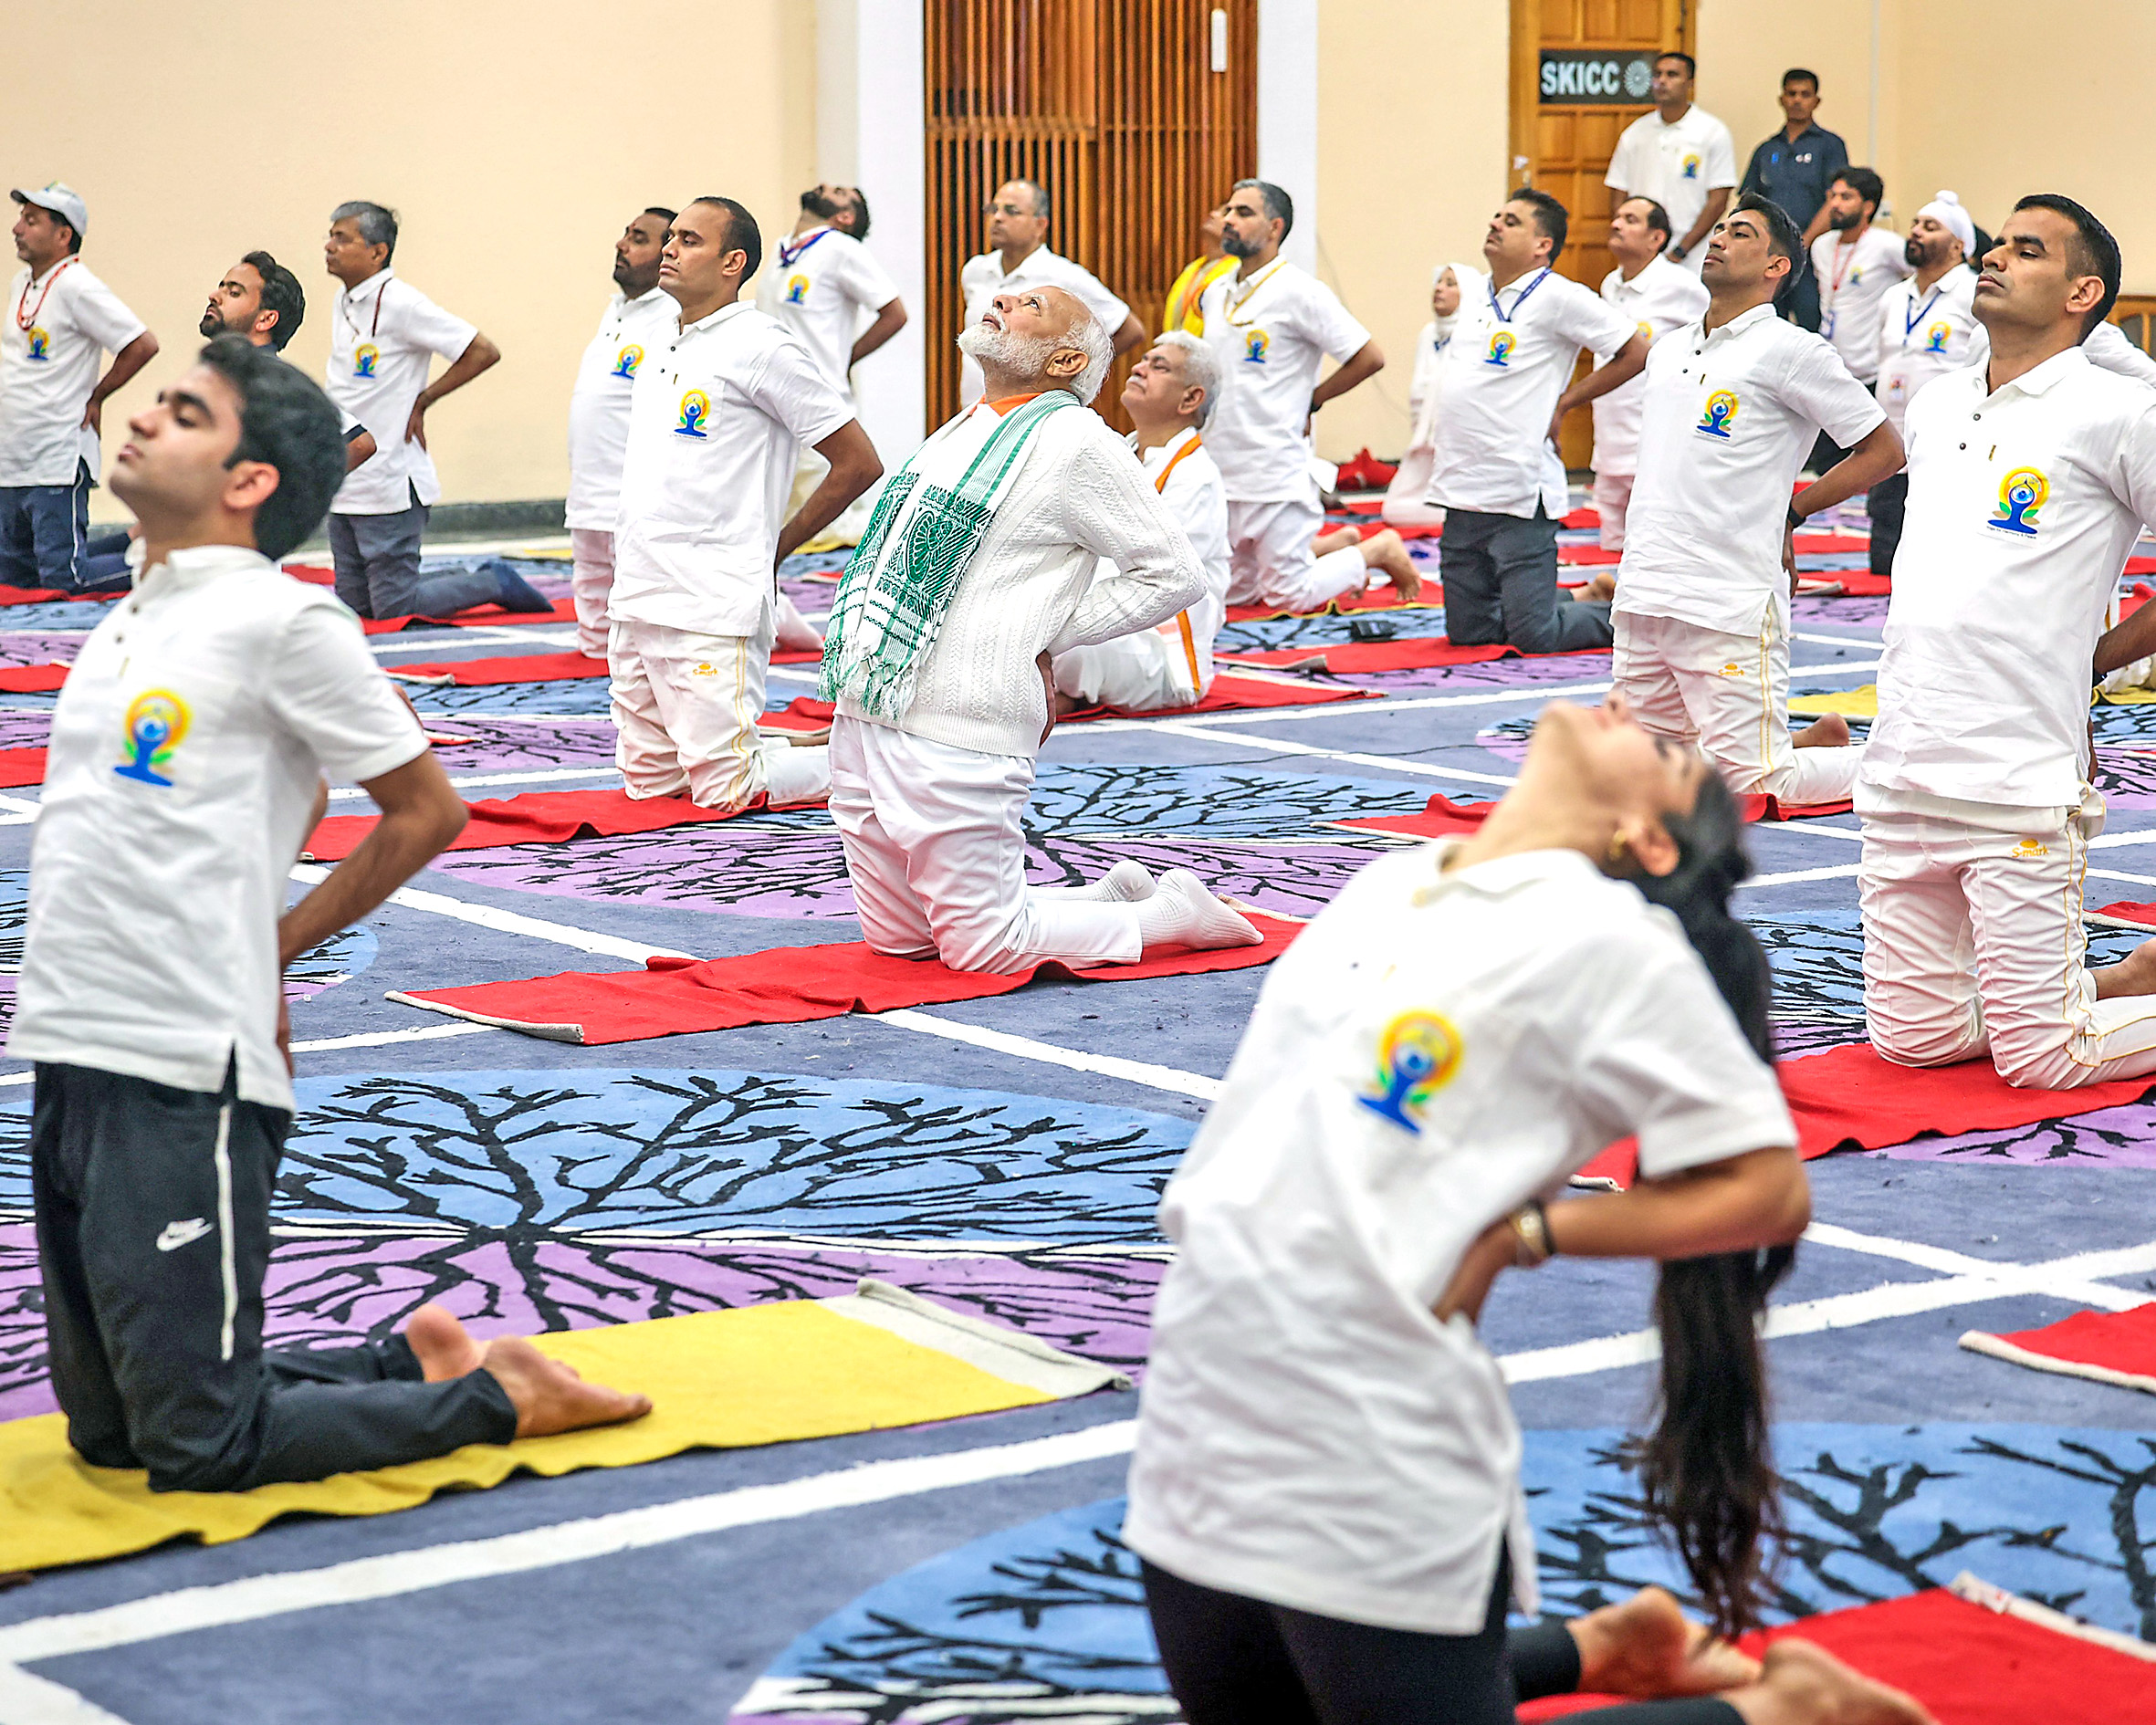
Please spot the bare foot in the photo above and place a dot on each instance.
(1802, 1684)
(1602, 587)
(1646, 1647)
(1830, 730)
(2134, 974)
(1336, 539)
(444, 1347)
(550, 1396)
(1388, 552)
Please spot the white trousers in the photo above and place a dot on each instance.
(1269, 562)
(1404, 499)
(1728, 695)
(591, 580)
(1145, 671)
(1973, 944)
(935, 848)
(685, 711)
(1613, 497)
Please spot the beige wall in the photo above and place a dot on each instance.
(1412, 113)
(515, 139)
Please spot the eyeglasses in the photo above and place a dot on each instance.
(1003, 209)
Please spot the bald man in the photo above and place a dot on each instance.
(1021, 530)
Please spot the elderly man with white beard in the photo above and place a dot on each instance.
(982, 563)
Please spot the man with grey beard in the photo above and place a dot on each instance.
(985, 559)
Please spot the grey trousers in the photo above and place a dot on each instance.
(1499, 575)
(377, 560)
(152, 1214)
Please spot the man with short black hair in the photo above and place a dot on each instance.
(1019, 258)
(1657, 296)
(1856, 264)
(2029, 479)
(1680, 156)
(384, 334)
(1270, 326)
(1496, 471)
(1794, 168)
(717, 415)
(1733, 403)
(187, 766)
(51, 396)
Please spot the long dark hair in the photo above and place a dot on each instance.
(1706, 1470)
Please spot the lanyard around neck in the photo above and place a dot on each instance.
(787, 257)
(1518, 298)
(1911, 319)
(25, 322)
(1235, 302)
(353, 323)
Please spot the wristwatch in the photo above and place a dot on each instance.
(1534, 1247)
(1795, 520)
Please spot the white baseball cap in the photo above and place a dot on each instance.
(63, 200)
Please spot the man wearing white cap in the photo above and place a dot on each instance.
(60, 318)
(1926, 326)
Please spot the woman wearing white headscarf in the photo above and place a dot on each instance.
(1456, 291)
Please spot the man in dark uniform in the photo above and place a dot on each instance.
(1794, 167)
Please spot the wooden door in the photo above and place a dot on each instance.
(1117, 106)
(1579, 72)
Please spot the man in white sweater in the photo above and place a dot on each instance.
(982, 563)
(1170, 398)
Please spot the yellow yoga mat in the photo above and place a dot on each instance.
(1857, 702)
(758, 1375)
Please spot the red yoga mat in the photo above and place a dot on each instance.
(531, 668)
(1228, 695)
(539, 817)
(20, 766)
(1406, 652)
(1581, 555)
(2006, 1663)
(2112, 1347)
(1383, 597)
(1441, 818)
(786, 985)
(32, 679)
(1855, 583)
(479, 616)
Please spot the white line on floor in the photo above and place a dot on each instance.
(1279, 746)
(35, 1700)
(1168, 1078)
(322, 1045)
(538, 776)
(400, 1572)
(508, 922)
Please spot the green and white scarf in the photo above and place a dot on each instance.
(919, 543)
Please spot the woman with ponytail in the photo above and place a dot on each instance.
(1326, 1487)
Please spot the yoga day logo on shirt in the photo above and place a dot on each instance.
(696, 408)
(156, 721)
(40, 342)
(1935, 338)
(797, 291)
(364, 357)
(1502, 343)
(2022, 493)
(1254, 346)
(1720, 416)
(1691, 167)
(627, 360)
(1417, 1057)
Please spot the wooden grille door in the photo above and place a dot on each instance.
(1113, 104)
(1572, 72)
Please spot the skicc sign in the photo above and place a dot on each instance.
(1572, 76)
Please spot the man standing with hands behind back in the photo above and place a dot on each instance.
(383, 336)
(1794, 168)
(1680, 156)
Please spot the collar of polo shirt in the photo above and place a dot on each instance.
(2039, 379)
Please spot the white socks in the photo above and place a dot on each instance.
(1126, 884)
(795, 631)
(1182, 912)
(794, 774)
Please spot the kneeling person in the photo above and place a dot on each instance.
(718, 416)
(1733, 405)
(186, 762)
(980, 564)
(1169, 397)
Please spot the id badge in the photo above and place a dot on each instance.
(1826, 326)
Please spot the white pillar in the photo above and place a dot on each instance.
(1287, 116)
(871, 113)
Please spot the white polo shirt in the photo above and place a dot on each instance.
(1661, 297)
(2107, 345)
(383, 336)
(1725, 425)
(1677, 164)
(59, 325)
(717, 421)
(1852, 283)
(629, 331)
(1504, 373)
(984, 277)
(1269, 332)
(1926, 335)
(1433, 1052)
(2023, 506)
(819, 284)
(196, 723)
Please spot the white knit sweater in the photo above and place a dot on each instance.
(1079, 495)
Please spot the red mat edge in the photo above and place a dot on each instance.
(1999, 1348)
